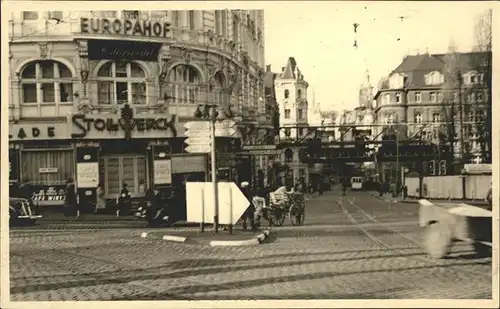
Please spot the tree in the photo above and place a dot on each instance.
(449, 138)
(481, 61)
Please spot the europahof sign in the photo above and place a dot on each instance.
(129, 27)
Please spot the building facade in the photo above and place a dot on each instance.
(440, 98)
(103, 96)
(291, 96)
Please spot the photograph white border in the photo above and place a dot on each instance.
(9, 6)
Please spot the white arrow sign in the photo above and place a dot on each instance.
(198, 148)
(200, 207)
(197, 125)
(225, 128)
(197, 141)
(225, 132)
(198, 133)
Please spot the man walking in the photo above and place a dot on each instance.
(249, 213)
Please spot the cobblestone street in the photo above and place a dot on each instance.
(351, 247)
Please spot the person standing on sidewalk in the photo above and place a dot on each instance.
(100, 202)
(70, 197)
(249, 213)
(123, 200)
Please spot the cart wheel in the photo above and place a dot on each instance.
(437, 240)
(296, 215)
(482, 250)
(277, 217)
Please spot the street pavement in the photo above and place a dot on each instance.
(350, 247)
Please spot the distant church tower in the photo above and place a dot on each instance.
(366, 93)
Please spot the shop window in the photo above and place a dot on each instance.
(123, 169)
(185, 80)
(121, 82)
(61, 163)
(46, 82)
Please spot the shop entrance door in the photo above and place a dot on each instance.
(123, 169)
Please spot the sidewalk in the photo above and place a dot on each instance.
(413, 200)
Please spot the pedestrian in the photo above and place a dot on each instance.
(100, 201)
(123, 200)
(25, 190)
(70, 197)
(249, 213)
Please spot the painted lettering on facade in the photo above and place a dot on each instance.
(33, 132)
(84, 125)
(124, 27)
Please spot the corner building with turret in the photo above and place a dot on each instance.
(103, 97)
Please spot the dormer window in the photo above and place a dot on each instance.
(397, 81)
(473, 78)
(434, 78)
(387, 99)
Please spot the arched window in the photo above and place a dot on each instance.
(287, 93)
(299, 94)
(121, 82)
(218, 84)
(46, 82)
(288, 155)
(185, 80)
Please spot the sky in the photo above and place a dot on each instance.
(321, 36)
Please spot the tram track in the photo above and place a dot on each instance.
(359, 214)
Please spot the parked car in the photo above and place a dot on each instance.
(21, 212)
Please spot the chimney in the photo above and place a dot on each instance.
(268, 68)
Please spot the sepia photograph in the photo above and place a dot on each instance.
(282, 154)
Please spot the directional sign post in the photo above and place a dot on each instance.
(225, 128)
(199, 137)
(199, 202)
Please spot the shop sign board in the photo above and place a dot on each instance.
(477, 168)
(87, 174)
(125, 27)
(38, 131)
(47, 170)
(118, 128)
(45, 195)
(123, 50)
(188, 164)
(162, 172)
(232, 203)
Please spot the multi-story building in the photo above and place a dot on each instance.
(291, 96)
(103, 96)
(442, 98)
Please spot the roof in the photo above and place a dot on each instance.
(415, 67)
(289, 72)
